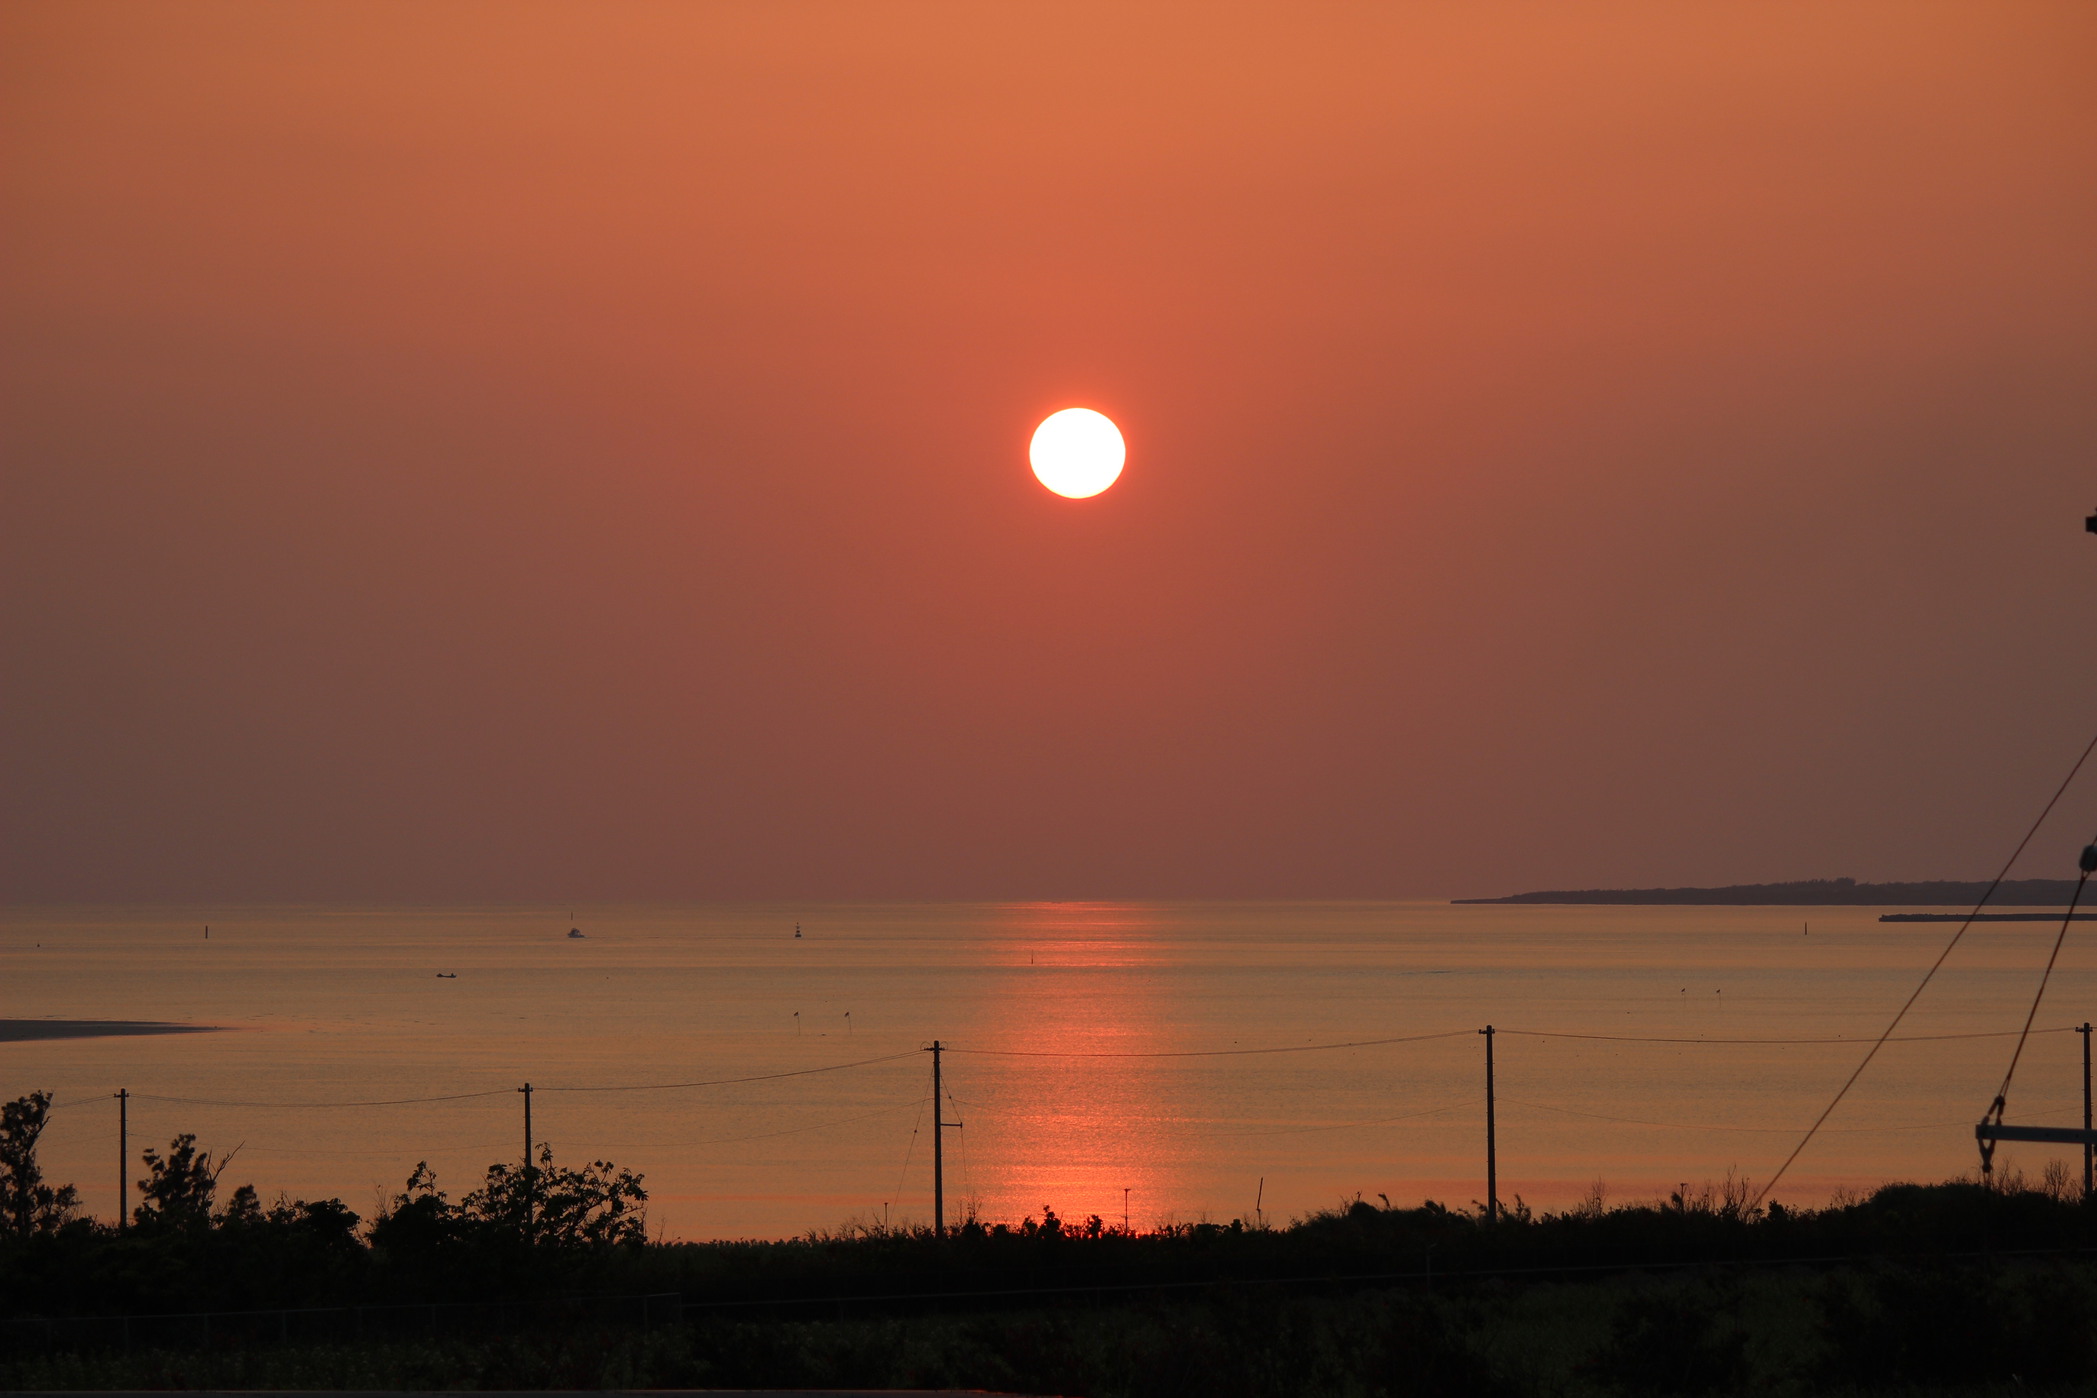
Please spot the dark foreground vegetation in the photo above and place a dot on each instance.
(543, 1277)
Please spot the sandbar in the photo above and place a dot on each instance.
(13, 1030)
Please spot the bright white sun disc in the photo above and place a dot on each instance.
(1077, 452)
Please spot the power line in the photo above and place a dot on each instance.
(1458, 1033)
(321, 1106)
(78, 1102)
(1056, 1053)
(1346, 1125)
(961, 1161)
(910, 1148)
(605, 1145)
(768, 1135)
(401, 1153)
(1205, 1053)
(504, 1091)
(1687, 1126)
(1891, 1039)
(725, 1082)
(920, 1102)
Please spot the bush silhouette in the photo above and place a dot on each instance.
(179, 1187)
(28, 1206)
(597, 1206)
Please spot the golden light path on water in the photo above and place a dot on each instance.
(1097, 1049)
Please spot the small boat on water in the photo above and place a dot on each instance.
(447, 975)
(575, 932)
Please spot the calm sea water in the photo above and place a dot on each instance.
(331, 1006)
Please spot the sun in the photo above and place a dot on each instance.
(1077, 452)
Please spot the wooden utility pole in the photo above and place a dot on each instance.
(124, 1151)
(939, 1160)
(528, 1178)
(1492, 1161)
(2089, 1152)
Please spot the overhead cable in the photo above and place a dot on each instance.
(1712, 1126)
(725, 1082)
(1347, 1125)
(506, 1091)
(318, 1106)
(1203, 1053)
(1893, 1039)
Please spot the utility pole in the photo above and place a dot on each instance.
(939, 1161)
(124, 1151)
(2089, 1152)
(1492, 1162)
(528, 1177)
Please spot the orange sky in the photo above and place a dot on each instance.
(578, 451)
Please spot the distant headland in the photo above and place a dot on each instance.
(1935, 893)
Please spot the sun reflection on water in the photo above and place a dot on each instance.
(1073, 1133)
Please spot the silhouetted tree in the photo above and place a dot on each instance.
(596, 1206)
(599, 1205)
(179, 1188)
(28, 1206)
(243, 1210)
(420, 1220)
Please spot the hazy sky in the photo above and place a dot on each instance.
(577, 451)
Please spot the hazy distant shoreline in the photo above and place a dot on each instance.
(16, 1030)
(1944, 893)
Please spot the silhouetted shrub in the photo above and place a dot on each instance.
(544, 1205)
(179, 1187)
(28, 1206)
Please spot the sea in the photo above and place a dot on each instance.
(768, 1069)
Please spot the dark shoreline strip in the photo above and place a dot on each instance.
(1817, 893)
(1984, 917)
(20, 1030)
